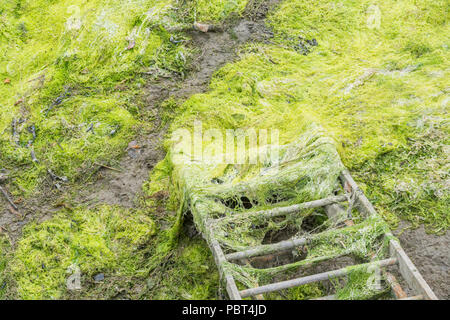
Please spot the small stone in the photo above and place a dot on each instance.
(99, 277)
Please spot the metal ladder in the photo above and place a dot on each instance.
(397, 256)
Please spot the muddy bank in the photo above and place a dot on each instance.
(431, 255)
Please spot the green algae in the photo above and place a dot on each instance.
(368, 93)
(76, 76)
(59, 58)
(360, 241)
(410, 182)
(305, 170)
(369, 116)
(75, 71)
(304, 292)
(211, 11)
(361, 284)
(143, 254)
(190, 273)
(374, 124)
(164, 201)
(180, 267)
(392, 89)
(366, 84)
(108, 240)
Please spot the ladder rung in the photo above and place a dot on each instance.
(280, 211)
(266, 249)
(309, 279)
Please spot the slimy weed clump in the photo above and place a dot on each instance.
(109, 241)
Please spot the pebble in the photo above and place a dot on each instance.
(99, 277)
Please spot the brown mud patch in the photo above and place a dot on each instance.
(430, 254)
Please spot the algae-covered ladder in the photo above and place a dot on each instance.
(351, 196)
